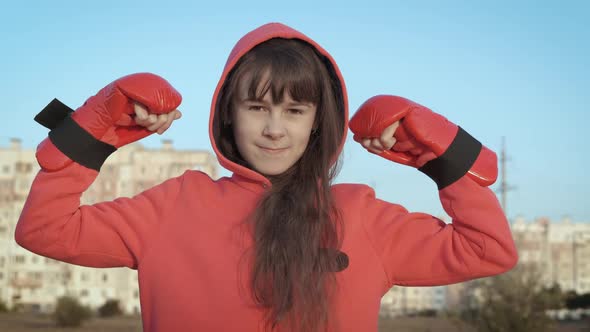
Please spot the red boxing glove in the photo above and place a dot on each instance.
(104, 123)
(421, 131)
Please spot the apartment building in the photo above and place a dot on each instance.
(400, 301)
(562, 249)
(33, 281)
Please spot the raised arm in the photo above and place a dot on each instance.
(107, 234)
(417, 249)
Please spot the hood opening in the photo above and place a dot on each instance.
(287, 58)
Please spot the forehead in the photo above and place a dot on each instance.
(247, 82)
(264, 89)
(277, 83)
(286, 99)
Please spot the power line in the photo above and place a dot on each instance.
(504, 186)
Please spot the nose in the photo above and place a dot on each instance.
(274, 127)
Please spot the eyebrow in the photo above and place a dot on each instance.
(253, 101)
(296, 103)
(250, 100)
(291, 104)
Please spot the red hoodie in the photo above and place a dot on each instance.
(184, 237)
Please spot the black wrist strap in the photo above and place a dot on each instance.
(54, 113)
(455, 161)
(71, 139)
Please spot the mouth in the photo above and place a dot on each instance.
(272, 150)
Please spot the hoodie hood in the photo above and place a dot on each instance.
(245, 44)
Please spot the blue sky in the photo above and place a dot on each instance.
(502, 69)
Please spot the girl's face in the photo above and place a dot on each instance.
(272, 136)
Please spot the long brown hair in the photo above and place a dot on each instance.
(296, 227)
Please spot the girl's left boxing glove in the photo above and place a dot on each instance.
(104, 123)
(451, 151)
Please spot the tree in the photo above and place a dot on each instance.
(109, 309)
(516, 301)
(70, 313)
(575, 301)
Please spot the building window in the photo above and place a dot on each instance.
(20, 167)
(105, 277)
(19, 259)
(84, 292)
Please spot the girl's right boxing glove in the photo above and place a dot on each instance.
(104, 123)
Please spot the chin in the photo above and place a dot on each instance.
(272, 171)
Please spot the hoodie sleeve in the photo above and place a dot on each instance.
(417, 249)
(108, 234)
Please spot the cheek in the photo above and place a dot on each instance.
(238, 133)
(243, 127)
(303, 137)
(241, 139)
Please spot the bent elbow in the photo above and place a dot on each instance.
(508, 261)
(500, 259)
(27, 237)
(512, 259)
(21, 236)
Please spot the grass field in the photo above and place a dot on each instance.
(18, 322)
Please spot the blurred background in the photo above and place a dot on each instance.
(513, 74)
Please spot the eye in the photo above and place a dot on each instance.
(295, 111)
(255, 108)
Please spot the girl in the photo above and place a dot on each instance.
(275, 246)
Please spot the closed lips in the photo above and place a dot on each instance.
(272, 149)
